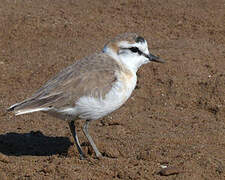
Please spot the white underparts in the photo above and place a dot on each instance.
(92, 108)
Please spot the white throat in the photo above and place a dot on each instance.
(130, 61)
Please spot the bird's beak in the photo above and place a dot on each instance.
(154, 58)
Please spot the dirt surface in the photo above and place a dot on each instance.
(175, 117)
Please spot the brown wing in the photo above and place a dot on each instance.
(90, 76)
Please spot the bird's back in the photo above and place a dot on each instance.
(93, 75)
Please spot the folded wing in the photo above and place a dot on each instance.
(92, 76)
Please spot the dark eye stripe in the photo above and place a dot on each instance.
(135, 50)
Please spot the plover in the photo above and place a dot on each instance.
(92, 87)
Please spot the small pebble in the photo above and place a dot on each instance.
(164, 166)
(169, 171)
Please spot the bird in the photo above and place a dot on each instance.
(92, 87)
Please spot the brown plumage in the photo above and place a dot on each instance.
(83, 78)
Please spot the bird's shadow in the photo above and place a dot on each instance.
(33, 143)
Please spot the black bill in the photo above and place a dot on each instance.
(154, 58)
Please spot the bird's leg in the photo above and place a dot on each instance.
(85, 130)
(73, 131)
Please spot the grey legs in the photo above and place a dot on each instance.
(73, 131)
(85, 130)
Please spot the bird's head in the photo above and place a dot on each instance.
(131, 50)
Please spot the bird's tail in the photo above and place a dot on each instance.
(24, 107)
(15, 106)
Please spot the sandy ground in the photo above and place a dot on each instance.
(175, 117)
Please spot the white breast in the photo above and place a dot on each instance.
(94, 108)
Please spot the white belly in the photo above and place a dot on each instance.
(93, 108)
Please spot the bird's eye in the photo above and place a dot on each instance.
(134, 49)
